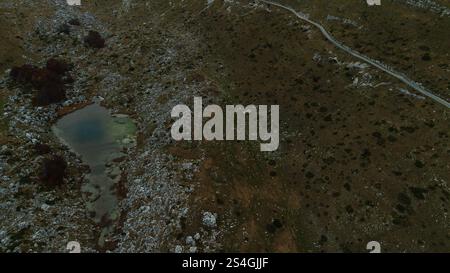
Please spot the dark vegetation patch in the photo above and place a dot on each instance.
(42, 149)
(274, 226)
(53, 170)
(49, 81)
(94, 40)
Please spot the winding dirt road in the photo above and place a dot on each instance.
(416, 86)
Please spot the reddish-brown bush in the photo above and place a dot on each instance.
(48, 81)
(94, 39)
(53, 171)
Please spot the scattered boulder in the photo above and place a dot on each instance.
(190, 240)
(193, 249)
(209, 219)
(5, 151)
(178, 249)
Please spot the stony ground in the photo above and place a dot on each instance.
(361, 158)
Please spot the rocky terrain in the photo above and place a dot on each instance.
(362, 156)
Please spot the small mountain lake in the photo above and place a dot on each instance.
(99, 138)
